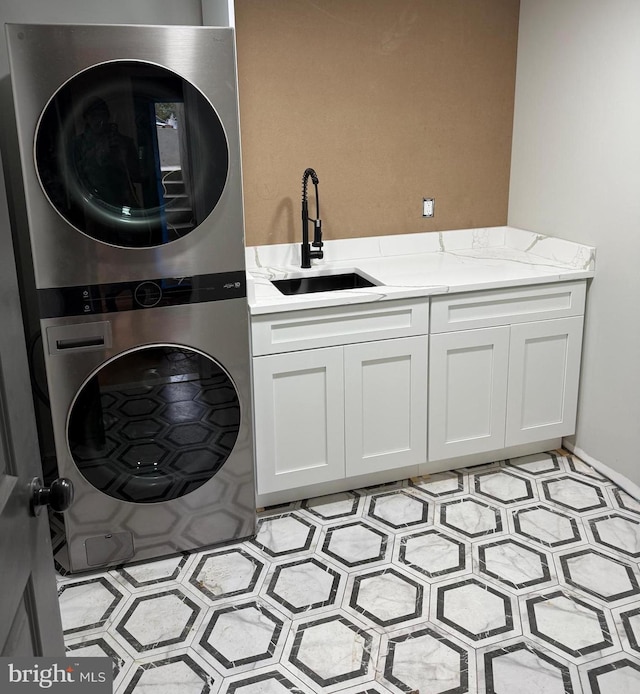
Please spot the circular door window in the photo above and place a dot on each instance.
(154, 424)
(131, 154)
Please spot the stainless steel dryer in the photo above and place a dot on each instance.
(129, 145)
(151, 413)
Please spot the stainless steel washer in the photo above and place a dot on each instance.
(151, 410)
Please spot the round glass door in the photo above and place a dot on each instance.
(131, 154)
(154, 424)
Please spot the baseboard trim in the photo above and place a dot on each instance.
(622, 481)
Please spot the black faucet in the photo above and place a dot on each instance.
(307, 254)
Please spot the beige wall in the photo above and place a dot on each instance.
(389, 100)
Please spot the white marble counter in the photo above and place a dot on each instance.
(413, 265)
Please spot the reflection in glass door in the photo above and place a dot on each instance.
(131, 154)
(154, 424)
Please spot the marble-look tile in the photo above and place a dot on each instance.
(426, 659)
(503, 486)
(182, 672)
(569, 625)
(332, 652)
(519, 575)
(573, 494)
(494, 466)
(333, 506)
(158, 622)
(88, 605)
(477, 612)
(305, 585)
(600, 576)
(274, 680)
(520, 666)
(625, 501)
(536, 464)
(398, 510)
(579, 467)
(226, 573)
(616, 674)
(616, 532)
(386, 597)
(144, 574)
(628, 624)
(284, 534)
(546, 526)
(433, 553)
(515, 565)
(470, 517)
(356, 544)
(242, 636)
(373, 687)
(100, 646)
(441, 484)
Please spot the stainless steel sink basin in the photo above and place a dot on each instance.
(322, 283)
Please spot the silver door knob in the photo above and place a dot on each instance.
(59, 496)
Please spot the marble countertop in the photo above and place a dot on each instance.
(416, 265)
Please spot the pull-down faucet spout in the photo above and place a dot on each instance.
(306, 253)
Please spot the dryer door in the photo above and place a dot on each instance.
(131, 154)
(154, 424)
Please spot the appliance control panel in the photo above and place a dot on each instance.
(131, 296)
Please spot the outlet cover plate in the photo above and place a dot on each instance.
(428, 205)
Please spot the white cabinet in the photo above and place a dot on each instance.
(510, 384)
(299, 418)
(350, 391)
(325, 414)
(544, 370)
(385, 405)
(339, 392)
(468, 392)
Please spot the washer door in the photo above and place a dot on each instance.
(154, 424)
(131, 154)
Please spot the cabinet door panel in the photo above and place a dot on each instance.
(468, 391)
(543, 380)
(385, 404)
(299, 415)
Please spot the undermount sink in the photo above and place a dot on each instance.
(322, 283)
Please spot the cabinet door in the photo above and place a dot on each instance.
(544, 368)
(299, 418)
(385, 404)
(468, 391)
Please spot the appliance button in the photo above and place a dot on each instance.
(148, 294)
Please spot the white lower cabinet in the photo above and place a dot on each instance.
(341, 392)
(544, 372)
(468, 391)
(385, 405)
(299, 418)
(325, 414)
(492, 388)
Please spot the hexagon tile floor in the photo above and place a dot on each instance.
(519, 576)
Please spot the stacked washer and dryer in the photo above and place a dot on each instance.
(130, 152)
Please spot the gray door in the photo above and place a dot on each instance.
(29, 613)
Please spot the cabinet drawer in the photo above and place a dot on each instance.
(494, 307)
(326, 327)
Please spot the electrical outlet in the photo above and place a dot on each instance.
(428, 207)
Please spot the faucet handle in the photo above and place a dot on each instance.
(317, 233)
